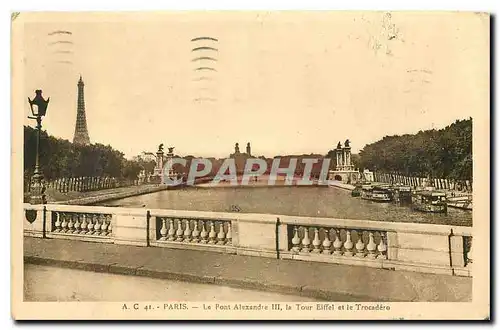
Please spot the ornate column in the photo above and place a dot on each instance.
(338, 153)
(347, 156)
(347, 151)
(170, 156)
(158, 172)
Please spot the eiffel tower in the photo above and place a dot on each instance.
(81, 132)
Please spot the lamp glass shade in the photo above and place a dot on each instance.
(38, 103)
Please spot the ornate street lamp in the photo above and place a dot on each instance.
(39, 109)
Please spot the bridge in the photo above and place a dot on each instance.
(188, 244)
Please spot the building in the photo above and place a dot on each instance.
(240, 158)
(368, 176)
(81, 132)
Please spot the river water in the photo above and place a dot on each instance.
(300, 201)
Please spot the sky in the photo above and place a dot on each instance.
(287, 82)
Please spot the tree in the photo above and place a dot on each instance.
(444, 153)
(61, 158)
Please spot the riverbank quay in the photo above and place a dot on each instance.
(93, 197)
(322, 281)
(341, 185)
(261, 181)
(456, 199)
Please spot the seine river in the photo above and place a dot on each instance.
(300, 201)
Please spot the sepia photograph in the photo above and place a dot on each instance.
(250, 165)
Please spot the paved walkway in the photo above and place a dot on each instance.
(46, 283)
(317, 280)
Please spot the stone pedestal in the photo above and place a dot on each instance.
(37, 190)
(168, 163)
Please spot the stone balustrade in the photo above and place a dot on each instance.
(96, 224)
(388, 245)
(347, 242)
(193, 232)
(62, 221)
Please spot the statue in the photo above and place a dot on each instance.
(171, 150)
(236, 148)
(160, 148)
(347, 142)
(339, 145)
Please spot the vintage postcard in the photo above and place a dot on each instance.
(250, 165)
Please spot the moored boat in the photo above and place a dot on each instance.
(402, 195)
(431, 201)
(460, 202)
(356, 192)
(376, 193)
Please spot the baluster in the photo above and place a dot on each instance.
(337, 244)
(77, 224)
(90, 226)
(179, 231)
(71, 224)
(360, 246)
(104, 225)
(57, 224)
(382, 248)
(229, 236)
(187, 232)
(327, 243)
(203, 233)
(64, 224)
(316, 242)
(171, 231)
(212, 234)
(348, 245)
(371, 246)
(221, 236)
(109, 219)
(195, 233)
(306, 242)
(163, 229)
(295, 240)
(83, 224)
(469, 253)
(97, 226)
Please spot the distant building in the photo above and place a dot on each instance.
(81, 132)
(237, 152)
(240, 158)
(368, 175)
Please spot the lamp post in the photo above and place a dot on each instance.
(38, 109)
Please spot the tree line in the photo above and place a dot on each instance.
(445, 153)
(60, 158)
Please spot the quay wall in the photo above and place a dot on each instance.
(133, 191)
